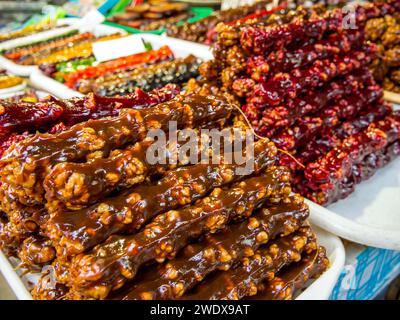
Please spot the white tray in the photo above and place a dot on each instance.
(371, 215)
(180, 48)
(320, 289)
(25, 71)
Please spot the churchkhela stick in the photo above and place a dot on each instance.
(58, 70)
(302, 132)
(268, 121)
(286, 60)
(294, 277)
(36, 251)
(243, 281)
(28, 30)
(18, 54)
(18, 117)
(75, 232)
(265, 39)
(330, 138)
(47, 287)
(229, 35)
(336, 164)
(75, 185)
(360, 171)
(290, 85)
(107, 268)
(310, 126)
(34, 157)
(350, 106)
(219, 251)
(78, 50)
(147, 77)
(120, 63)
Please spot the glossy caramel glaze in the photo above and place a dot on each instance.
(77, 231)
(218, 251)
(117, 260)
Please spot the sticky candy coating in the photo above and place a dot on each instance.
(75, 232)
(106, 269)
(217, 252)
(294, 277)
(243, 281)
(37, 155)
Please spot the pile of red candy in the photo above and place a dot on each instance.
(304, 82)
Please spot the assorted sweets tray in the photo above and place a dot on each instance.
(178, 52)
(22, 55)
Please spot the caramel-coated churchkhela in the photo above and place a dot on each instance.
(9, 241)
(294, 277)
(243, 281)
(76, 185)
(75, 232)
(25, 164)
(113, 263)
(24, 220)
(36, 251)
(217, 252)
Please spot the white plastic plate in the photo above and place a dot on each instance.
(371, 215)
(180, 49)
(22, 70)
(319, 289)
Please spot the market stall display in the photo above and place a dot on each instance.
(147, 71)
(161, 60)
(69, 39)
(316, 100)
(92, 208)
(208, 198)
